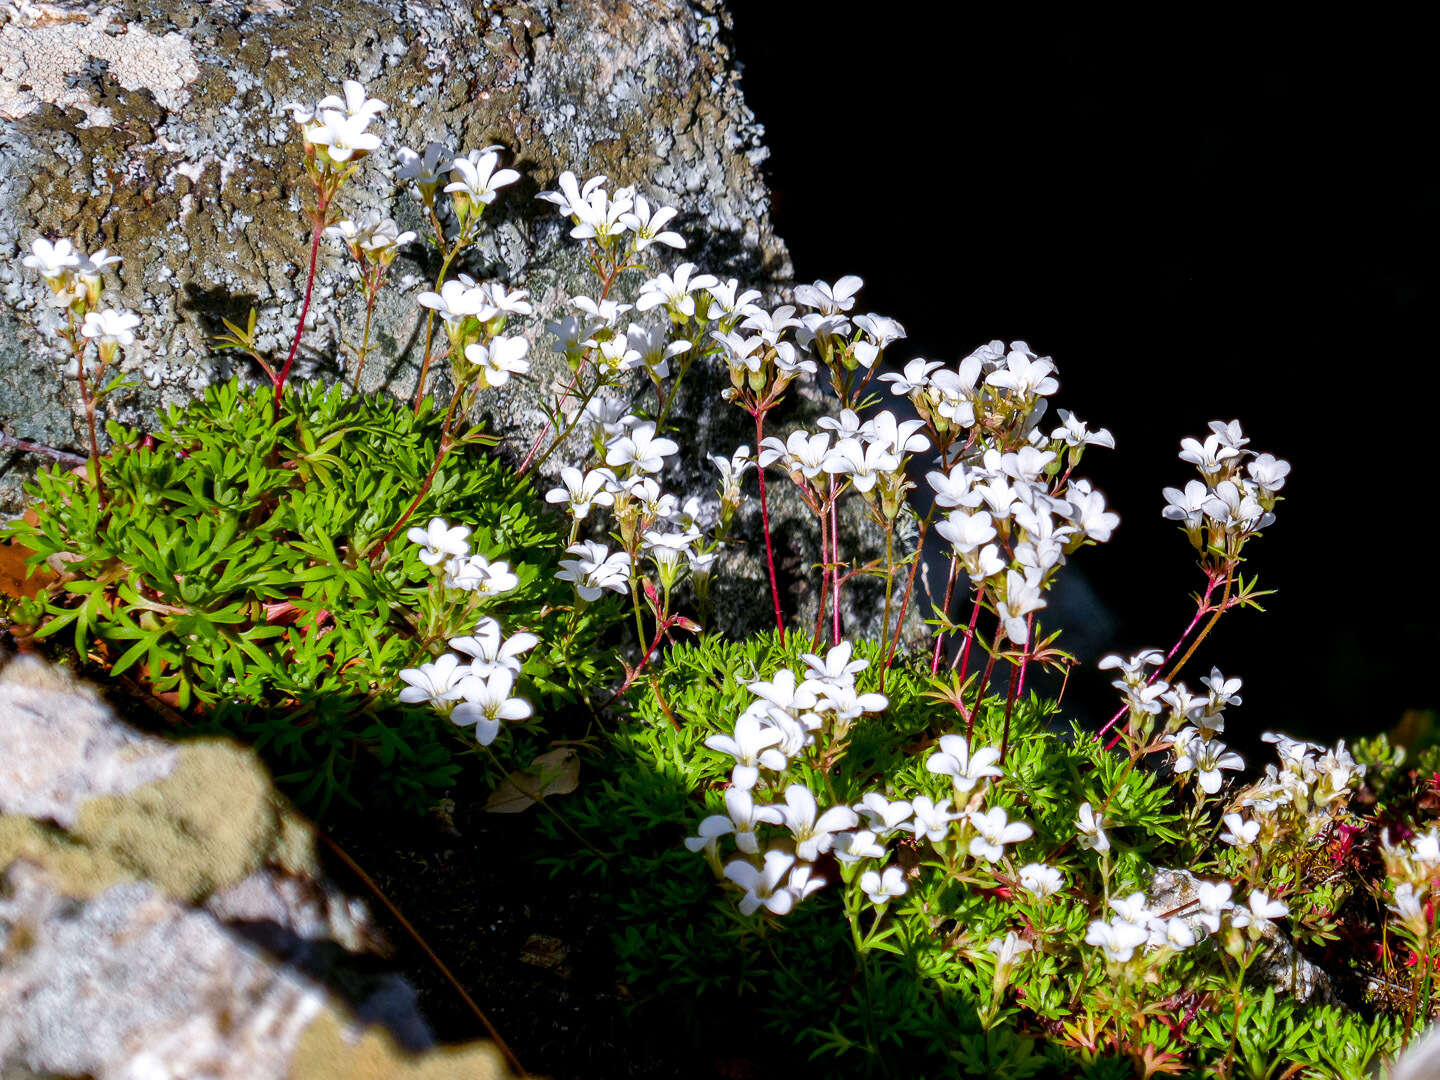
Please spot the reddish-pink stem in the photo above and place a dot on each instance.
(940, 634)
(1200, 612)
(304, 307)
(964, 657)
(984, 681)
(835, 557)
(765, 526)
(1017, 674)
(1025, 659)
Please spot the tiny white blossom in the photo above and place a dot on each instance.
(487, 702)
(440, 541)
(881, 888)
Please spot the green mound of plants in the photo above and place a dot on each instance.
(242, 568)
(979, 956)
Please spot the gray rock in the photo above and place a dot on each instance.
(1280, 965)
(157, 131)
(162, 914)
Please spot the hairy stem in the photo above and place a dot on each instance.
(765, 527)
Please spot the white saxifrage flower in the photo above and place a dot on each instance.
(640, 449)
(1090, 830)
(882, 887)
(487, 702)
(595, 570)
(993, 832)
(955, 760)
(763, 887)
(437, 682)
(440, 541)
(1040, 880)
(812, 833)
(501, 359)
(1118, 938)
(580, 491)
(489, 651)
(752, 747)
(476, 177)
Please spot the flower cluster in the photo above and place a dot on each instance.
(472, 684)
(1228, 504)
(449, 549)
(1135, 925)
(334, 130)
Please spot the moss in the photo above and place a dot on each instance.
(325, 1053)
(81, 871)
(207, 826)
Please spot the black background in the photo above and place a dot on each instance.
(1199, 222)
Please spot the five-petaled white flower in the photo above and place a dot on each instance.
(1118, 938)
(763, 887)
(1258, 912)
(580, 491)
(882, 887)
(752, 746)
(487, 702)
(813, 835)
(993, 832)
(440, 541)
(1241, 833)
(641, 448)
(1041, 880)
(596, 569)
(489, 652)
(436, 682)
(965, 769)
(476, 178)
(495, 364)
(1090, 830)
(110, 327)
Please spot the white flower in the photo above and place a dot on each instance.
(1075, 432)
(896, 436)
(830, 299)
(852, 847)
(1409, 903)
(595, 570)
(965, 769)
(880, 332)
(640, 448)
(1090, 830)
(1210, 457)
(1041, 880)
(476, 573)
(1024, 374)
(476, 178)
(457, 300)
(1022, 596)
(580, 491)
(487, 702)
(488, 651)
(931, 820)
(647, 225)
(572, 198)
(424, 170)
(741, 817)
(881, 888)
(1207, 758)
(53, 261)
(1188, 506)
(436, 682)
(674, 291)
(762, 887)
(993, 832)
(1131, 908)
(1260, 911)
(1007, 952)
(343, 135)
(731, 304)
(1242, 833)
(801, 452)
(836, 668)
(752, 748)
(966, 532)
(1214, 898)
(110, 327)
(1118, 938)
(504, 357)
(1268, 472)
(883, 815)
(440, 541)
(914, 378)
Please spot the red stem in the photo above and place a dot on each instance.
(835, 555)
(305, 307)
(940, 634)
(765, 525)
(1200, 611)
(984, 682)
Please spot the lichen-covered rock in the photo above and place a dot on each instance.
(163, 914)
(156, 130)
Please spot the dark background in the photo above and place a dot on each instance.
(1202, 222)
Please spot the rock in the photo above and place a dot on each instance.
(1280, 965)
(157, 131)
(163, 914)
